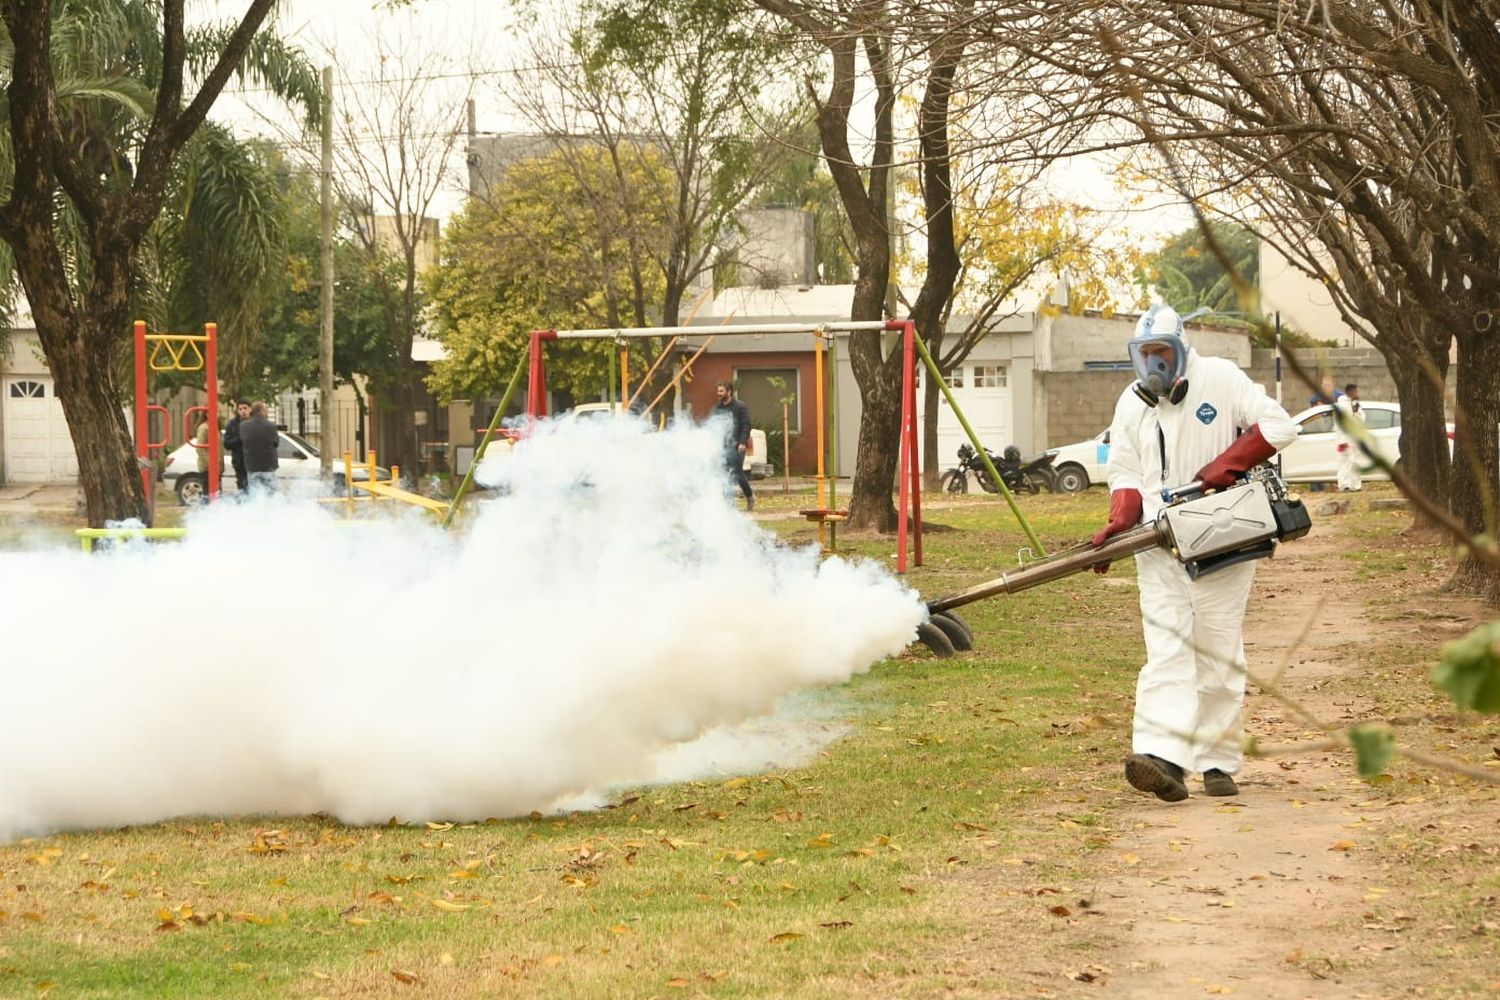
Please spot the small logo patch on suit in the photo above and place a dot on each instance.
(1206, 413)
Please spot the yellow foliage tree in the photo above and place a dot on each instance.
(1013, 250)
(552, 247)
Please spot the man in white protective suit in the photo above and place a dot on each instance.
(1350, 477)
(1187, 418)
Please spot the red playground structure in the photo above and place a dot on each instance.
(176, 352)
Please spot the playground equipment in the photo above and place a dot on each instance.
(176, 352)
(910, 473)
(371, 491)
(826, 515)
(88, 536)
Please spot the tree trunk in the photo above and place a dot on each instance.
(931, 460)
(85, 382)
(931, 308)
(77, 343)
(1476, 461)
(398, 426)
(1424, 438)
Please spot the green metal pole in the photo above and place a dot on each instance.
(484, 442)
(984, 456)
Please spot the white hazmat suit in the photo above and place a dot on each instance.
(1350, 475)
(1191, 689)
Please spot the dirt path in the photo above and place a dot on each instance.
(1278, 893)
(1252, 895)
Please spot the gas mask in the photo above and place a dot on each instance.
(1159, 355)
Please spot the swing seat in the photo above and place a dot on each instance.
(821, 515)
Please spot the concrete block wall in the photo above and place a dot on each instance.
(1362, 365)
(1077, 405)
(1073, 406)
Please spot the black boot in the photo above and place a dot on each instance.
(1216, 782)
(1150, 773)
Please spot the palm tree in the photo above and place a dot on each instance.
(101, 135)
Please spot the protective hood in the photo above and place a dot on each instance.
(1158, 371)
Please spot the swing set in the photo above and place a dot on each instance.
(194, 352)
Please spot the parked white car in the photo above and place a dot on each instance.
(1079, 466)
(298, 460)
(1314, 457)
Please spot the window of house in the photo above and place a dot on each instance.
(763, 389)
(955, 378)
(28, 389)
(989, 376)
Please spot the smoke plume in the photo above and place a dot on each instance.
(608, 605)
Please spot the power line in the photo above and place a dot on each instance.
(422, 77)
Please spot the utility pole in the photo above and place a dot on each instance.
(325, 331)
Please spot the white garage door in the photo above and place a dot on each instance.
(982, 390)
(38, 447)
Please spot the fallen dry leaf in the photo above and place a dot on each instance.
(784, 937)
(404, 977)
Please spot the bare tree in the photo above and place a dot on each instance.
(843, 31)
(1372, 125)
(1380, 120)
(675, 95)
(395, 138)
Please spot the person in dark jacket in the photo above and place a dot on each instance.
(259, 441)
(736, 438)
(233, 446)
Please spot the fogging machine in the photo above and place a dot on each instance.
(1204, 530)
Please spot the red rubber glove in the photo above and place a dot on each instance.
(1249, 450)
(1124, 514)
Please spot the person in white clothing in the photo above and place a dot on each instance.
(1187, 418)
(1350, 477)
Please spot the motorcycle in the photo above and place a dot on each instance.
(1030, 476)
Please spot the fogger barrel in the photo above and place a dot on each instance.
(1204, 532)
(1127, 543)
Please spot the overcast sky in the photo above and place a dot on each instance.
(466, 45)
(470, 45)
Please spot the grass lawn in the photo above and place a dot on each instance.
(749, 886)
(835, 877)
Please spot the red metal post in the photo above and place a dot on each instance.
(142, 421)
(215, 456)
(536, 377)
(910, 386)
(904, 449)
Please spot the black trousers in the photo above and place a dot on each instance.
(735, 466)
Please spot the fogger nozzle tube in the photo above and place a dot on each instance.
(1137, 539)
